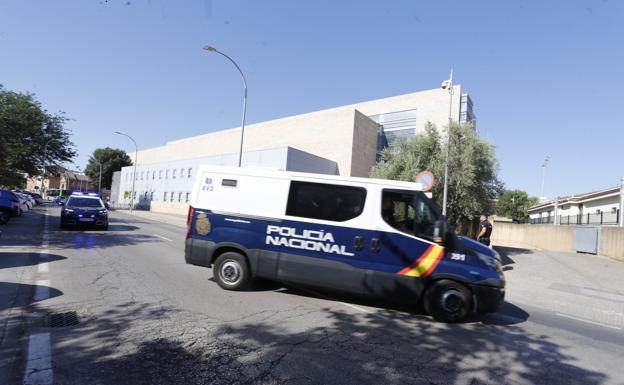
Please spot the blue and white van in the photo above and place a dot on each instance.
(367, 236)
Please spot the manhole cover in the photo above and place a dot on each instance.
(61, 320)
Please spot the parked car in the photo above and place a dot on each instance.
(23, 202)
(9, 205)
(60, 200)
(36, 197)
(28, 202)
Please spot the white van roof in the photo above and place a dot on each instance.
(281, 174)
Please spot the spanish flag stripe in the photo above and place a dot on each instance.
(425, 264)
(435, 263)
(410, 267)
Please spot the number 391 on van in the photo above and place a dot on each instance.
(373, 237)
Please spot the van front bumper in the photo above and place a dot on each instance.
(489, 299)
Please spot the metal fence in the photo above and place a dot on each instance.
(602, 218)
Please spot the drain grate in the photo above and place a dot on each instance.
(61, 320)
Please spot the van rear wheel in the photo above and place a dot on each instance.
(448, 301)
(231, 271)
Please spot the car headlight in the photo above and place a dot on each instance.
(68, 211)
(102, 212)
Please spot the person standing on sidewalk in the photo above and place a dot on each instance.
(486, 230)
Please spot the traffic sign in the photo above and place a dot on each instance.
(426, 179)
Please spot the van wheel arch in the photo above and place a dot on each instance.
(226, 249)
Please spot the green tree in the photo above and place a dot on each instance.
(515, 204)
(473, 182)
(25, 129)
(112, 159)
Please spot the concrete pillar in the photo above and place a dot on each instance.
(621, 219)
(556, 221)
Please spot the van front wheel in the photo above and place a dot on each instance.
(231, 271)
(448, 301)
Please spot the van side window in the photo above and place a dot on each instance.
(325, 201)
(409, 212)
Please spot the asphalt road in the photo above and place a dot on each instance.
(131, 311)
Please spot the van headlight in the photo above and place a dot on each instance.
(493, 262)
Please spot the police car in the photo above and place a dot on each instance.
(84, 210)
(367, 236)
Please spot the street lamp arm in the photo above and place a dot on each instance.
(237, 67)
(136, 157)
(240, 152)
(128, 136)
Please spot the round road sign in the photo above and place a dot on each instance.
(426, 179)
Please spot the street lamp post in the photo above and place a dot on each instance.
(100, 182)
(136, 154)
(544, 175)
(447, 84)
(240, 152)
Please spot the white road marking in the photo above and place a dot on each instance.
(588, 321)
(38, 362)
(42, 292)
(161, 237)
(43, 267)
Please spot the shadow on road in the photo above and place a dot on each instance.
(11, 259)
(142, 345)
(507, 252)
(19, 294)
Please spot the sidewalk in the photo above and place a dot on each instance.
(172, 219)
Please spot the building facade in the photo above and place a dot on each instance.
(344, 140)
(601, 207)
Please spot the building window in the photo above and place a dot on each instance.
(165, 196)
(189, 171)
(141, 175)
(179, 197)
(171, 198)
(159, 174)
(173, 174)
(188, 197)
(613, 210)
(152, 196)
(167, 174)
(153, 175)
(181, 173)
(325, 201)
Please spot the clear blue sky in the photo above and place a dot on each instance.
(546, 77)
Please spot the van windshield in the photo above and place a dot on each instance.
(409, 212)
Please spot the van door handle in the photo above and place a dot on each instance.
(375, 245)
(358, 242)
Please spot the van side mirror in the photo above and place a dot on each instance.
(440, 229)
(106, 205)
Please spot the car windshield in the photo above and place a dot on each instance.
(84, 202)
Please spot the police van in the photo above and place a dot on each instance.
(366, 236)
